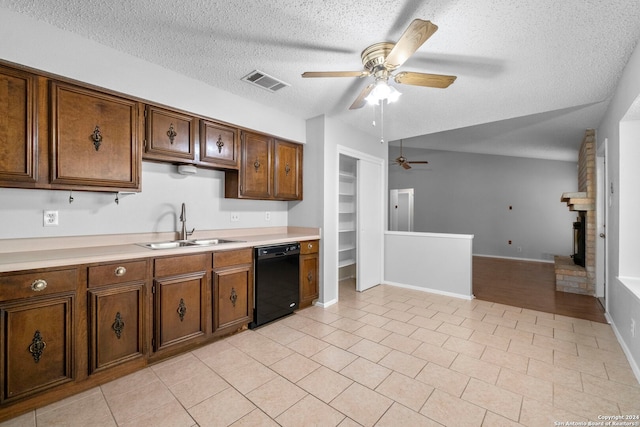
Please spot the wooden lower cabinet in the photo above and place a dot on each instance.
(116, 318)
(116, 313)
(66, 330)
(309, 270)
(232, 289)
(180, 289)
(37, 321)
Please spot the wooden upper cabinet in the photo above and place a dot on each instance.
(287, 172)
(270, 169)
(94, 140)
(170, 136)
(255, 168)
(219, 145)
(18, 146)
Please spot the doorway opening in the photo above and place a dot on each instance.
(401, 209)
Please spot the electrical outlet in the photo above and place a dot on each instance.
(633, 327)
(50, 218)
(267, 216)
(235, 217)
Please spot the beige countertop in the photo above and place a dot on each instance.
(27, 254)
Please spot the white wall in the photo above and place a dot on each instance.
(328, 133)
(155, 209)
(432, 262)
(464, 193)
(41, 46)
(622, 304)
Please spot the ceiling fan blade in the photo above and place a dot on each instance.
(363, 73)
(360, 100)
(420, 162)
(413, 37)
(405, 165)
(423, 79)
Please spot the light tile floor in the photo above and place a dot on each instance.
(385, 357)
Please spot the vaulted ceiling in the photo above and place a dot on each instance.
(531, 75)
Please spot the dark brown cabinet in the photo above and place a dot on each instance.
(270, 169)
(180, 288)
(94, 140)
(18, 111)
(219, 145)
(233, 289)
(37, 318)
(309, 270)
(254, 179)
(287, 183)
(116, 313)
(170, 135)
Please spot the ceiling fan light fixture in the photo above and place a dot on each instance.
(381, 91)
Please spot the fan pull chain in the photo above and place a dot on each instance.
(382, 121)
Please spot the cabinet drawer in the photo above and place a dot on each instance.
(235, 257)
(116, 273)
(26, 285)
(309, 247)
(181, 264)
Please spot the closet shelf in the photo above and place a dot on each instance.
(346, 262)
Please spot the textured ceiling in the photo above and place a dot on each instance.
(532, 75)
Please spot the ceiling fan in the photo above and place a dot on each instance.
(402, 160)
(380, 60)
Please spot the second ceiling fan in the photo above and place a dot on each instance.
(380, 60)
(402, 160)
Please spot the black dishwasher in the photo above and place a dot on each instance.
(276, 282)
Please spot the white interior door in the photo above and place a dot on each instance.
(602, 196)
(370, 208)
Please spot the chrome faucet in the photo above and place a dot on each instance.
(183, 218)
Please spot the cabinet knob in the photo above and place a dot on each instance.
(120, 271)
(96, 137)
(38, 285)
(182, 309)
(37, 346)
(310, 245)
(310, 276)
(171, 133)
(256, 164)
(233, 297)
(219, 144)
(287, 169)
(118, 325)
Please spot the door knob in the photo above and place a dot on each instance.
(603, 235)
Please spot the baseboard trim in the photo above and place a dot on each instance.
(546, 261)
(634, 366)
(430, 290)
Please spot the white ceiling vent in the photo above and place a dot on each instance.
(264, 81)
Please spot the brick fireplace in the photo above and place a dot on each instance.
(571, 277)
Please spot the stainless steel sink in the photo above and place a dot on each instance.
(209, 242)
(172, 244)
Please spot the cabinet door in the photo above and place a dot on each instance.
(309, 269)
(180, 307)
(233, 296)
(255, 172)
(116, 318)
(37, 341)
(170, 136)
(218, 145)
(17, 127)
(94, 140)
(288, 171)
